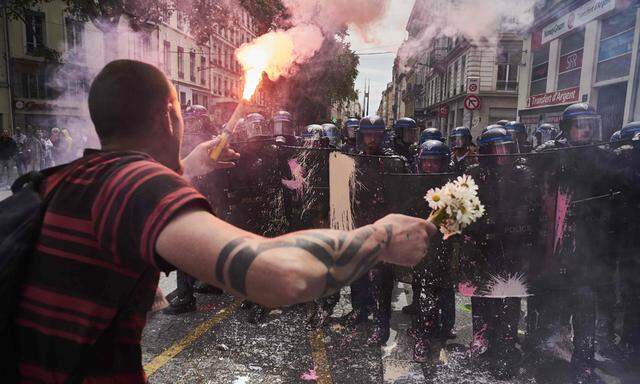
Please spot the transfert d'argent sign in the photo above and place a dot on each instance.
(564, 96)
(577, 18)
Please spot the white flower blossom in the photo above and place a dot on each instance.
(456, 205)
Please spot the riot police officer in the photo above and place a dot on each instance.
(349, 128)
(257, 127)
(500, 243)
(332, 135)
(518, 133)
(460, 141)
(282, 127)
(433, 293)
(430, 134)
(253, 189)
(372, 291)
(406, 136)
(625, 229)
(545, 132)
(315, 136)
(576, 267)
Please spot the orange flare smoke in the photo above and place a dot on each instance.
(277, 53)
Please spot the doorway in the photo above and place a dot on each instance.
(611, 100)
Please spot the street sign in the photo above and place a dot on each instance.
(444, 110)
(473, 85)
(472, 103)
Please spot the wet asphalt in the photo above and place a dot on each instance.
(217, 345)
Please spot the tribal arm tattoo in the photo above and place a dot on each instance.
(344, 255)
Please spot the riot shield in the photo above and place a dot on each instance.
(305, 184)
(405, 192)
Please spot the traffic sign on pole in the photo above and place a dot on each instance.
(472, 103)
(444, 110)
(473, 85)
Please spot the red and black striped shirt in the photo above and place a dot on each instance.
(94, 273)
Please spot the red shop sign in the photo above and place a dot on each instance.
(564, 96)
(571, 61)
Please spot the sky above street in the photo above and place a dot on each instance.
(384, 36)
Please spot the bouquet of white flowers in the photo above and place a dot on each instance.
(455, 206)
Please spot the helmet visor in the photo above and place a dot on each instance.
(459, 141)
(282, 128)
(432, 164)
(256, 128)
(500, 148)
(370, 139)
(584, 129)
(351, 131)
(410, 135)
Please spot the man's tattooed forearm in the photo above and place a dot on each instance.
(344, 255)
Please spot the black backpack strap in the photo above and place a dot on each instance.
(34, 178)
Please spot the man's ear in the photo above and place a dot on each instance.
(168, 119)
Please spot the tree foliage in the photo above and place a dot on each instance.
(329, 77)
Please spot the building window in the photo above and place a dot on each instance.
(32, 84)
(203, 69)
(75, 32)
(195, 99)
(146, 46)
(463, 72)
(167, 57)
(616, 44)
(205, 101)
(570, 63)
(540, 70)
(226, 87)
(456, 78)
(34, 28)
(183, 99)
(192, 66)
(180, 20)
(508, 61)
(181, 62)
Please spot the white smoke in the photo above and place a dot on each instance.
(79, 66)
(478, 21)
(336, 15)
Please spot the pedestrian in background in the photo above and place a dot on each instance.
(21, 157)
(8, 150)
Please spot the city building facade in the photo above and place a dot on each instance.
(49, 60)
(432, 85)
(582, 51)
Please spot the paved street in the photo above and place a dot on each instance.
(4, 193)
(217, 345)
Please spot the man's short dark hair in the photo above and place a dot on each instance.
(125, 97)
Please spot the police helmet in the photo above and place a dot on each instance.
(430, 134)
(434, 156)
(495, 141)
(282, 124)
(331, 133)
(256, 126)
(350, 127)
(371, 126)
(630, 130)
(581, 116)
(406, 130)
(460, 137)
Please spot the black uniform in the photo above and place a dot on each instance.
(500, 245)
(369, 207)
(573, 267)
(626, 242)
